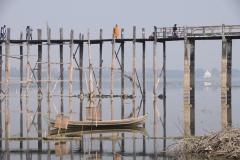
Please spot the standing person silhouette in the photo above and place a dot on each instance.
(3, 32)
(175, 34)
(116, 31)
(30, 32)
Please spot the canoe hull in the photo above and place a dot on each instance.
(110, 123)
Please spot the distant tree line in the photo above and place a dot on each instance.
(199, 73)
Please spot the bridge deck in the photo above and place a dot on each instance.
(97, 41)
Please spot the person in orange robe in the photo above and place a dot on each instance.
(116, 31)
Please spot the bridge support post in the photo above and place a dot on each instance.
(189, 89)
(192, 86)
(155, 62)
(39, 88)
(61, 70)
(229, 82)
(100, 64)
(134, 71)
(143, 64)
(226, 83)
(81, 65)
(71, 73)
(39, 64)
(1, 62)
(122, 86)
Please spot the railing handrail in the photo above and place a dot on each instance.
(166, 32)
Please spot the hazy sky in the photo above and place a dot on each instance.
(104, 14)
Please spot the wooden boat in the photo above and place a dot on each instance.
(71, 132)
(81, 124)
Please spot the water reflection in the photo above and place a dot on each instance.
(141, 142)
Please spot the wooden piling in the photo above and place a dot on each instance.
(90, 67)
(28, 64)
(134, 62)
(134, 73)
(186, 87)
(192, 86)
(164, 94)
(112, 74)
(224, 80)
(39, 65)
(71, 73)
(21, 122)
(28, 126)
(122, 72)
(81, 65)
(143, 63)
(49, 62)
(100, 64)
(113, 63)
(7, 78)
(155, 62)
(21, 64)
(21, 79)
(61, 66)
(229, 82)
(155, 117)
(1, 93)
(39, 115)
(122, 85)
(39, 121)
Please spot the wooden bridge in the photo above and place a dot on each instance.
(188, 34)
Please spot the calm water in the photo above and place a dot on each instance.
(208, 117)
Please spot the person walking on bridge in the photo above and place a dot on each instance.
(29, 30)
(175, 34)
(116, 31)
(3, 32)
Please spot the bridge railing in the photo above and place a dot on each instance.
(199, 31)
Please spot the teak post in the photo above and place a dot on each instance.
(100, 63)
(71, 73)
(229, 82)
(143, 62)
(39, 64)
(155, 62)
(61, 71)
